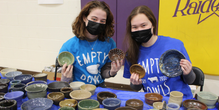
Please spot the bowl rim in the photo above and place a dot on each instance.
(17, 72)
(11, 100)
(43, 89)
(204, 92)
(138, 65)
(98, 104)
(81, 87)
(184, 103)
(153, 93)
(110, 53)
(103, 102)
(88, 92)
(29, 77)
(13, 92)
(47, 107)
(36, 75)
(7, 80)
(128, 104)
(67, 53)
(38, 82)
(51, 93)
(98, 94)
(76, 102)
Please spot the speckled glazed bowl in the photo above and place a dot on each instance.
(116, 54)
(65, 57)
(88, 104)
(56, 97)
(37, 104)
(136, 68)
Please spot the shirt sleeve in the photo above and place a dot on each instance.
(126, 73)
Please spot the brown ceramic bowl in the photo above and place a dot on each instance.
(66, 91)
(2, 96)
(56, 97)
(68, 103)
(8, 105)
(135, 103)
(136, 68)
(126, 108)
(56, 86)
(80, 94)
(150, 98)
(116, 54)
(103, 95)
(192, 104)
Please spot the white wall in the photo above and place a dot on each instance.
(32, 34)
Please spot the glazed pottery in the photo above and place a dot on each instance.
(88, 104)
(194, 104)
(36, 82)
(4, 81)
(80, 94)
(56, 97)
(150, 98)
(208, 98)
(66, 91)
(111, 103)
(176, 97)
(6, 70)
(69, 103)
(76, 85)
(36, 91)
(125, 108)
(4, 88)
(56, 86)
(116, 54)
(89, 87)
(135, 103)
(12, 74)
(2, 96)
(37, 104)
(40, 76)
(14, 82)
(173, 106)
(18, 87)
(15, 95)
(65, 57)
(136, 68)
(103, 95)
(66, 108)
(8, 105)
(25, 78)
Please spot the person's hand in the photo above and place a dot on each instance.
(67, 71)
(134, 79)
(186, 66)
(115, 67)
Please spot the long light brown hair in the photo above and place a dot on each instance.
(79, 27)
(132, 52)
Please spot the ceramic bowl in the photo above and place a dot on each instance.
(6, 70)
(103, 95)
(68, 103)
(158, 105)
(8, 105)
(80, 94)
(208, 98)
(89, 87)
(88, 104)
(56, 97)
(36, 91)
(125, 108)
(12, 74)
(189, 103)
(135, 103)
(100, 109)
(76, 85)
(37, 104)
(4, 81)
(36, 82)
(25, 78)
(40, 76)
(18, 87)
(150, 98)
(56, 86)
(136, 68)
(116, 54)
(66, 108)
(14, 82)
(111, 103)
(15, 95)
(2, 96)
(4, 88)
(169, 63)
(66, 91)
(65, 57)
(172, 106)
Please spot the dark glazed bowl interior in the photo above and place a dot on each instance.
(56, 86)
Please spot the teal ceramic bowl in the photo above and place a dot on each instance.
(88, 104)
(65, 57)
(207, 98)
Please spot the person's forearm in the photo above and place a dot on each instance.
(190, 78)
(65, 79)
(136, 87)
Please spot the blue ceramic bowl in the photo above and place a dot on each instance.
(37, 104)
(25, 78)
(15, 95)
(11, 75)
(169, 63)
(111, 103)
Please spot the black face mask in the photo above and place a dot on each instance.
(142, 36)
(95, 28)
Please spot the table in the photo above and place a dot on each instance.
(121, 94)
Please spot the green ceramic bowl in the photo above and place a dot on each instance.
(88, 104)
(66, 57)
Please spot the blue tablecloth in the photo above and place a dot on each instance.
(121, 94)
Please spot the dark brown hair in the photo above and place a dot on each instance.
(132, 53)
(79, 27)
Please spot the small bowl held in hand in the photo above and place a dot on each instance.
(136, 68)
(56, 97)
(116, 54)
(150, 98)
(65, 57)
(135, 103)
(103, 95)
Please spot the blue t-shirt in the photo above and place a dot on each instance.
(154, 81)
(88, 63)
